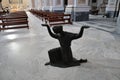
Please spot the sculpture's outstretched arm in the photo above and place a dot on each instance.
(50, 32)
(76, 36)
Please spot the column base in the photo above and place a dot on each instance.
(81, 16)
(110, 14)
(78, 13)
(59, 11)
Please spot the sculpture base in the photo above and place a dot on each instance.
(65, 65)
(58, 59)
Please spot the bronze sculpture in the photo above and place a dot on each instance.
(62, 56)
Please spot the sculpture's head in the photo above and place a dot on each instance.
(57, 29)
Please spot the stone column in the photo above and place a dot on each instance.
(45, 5)
(53, 5)
(57, 6)
(1, 8)
(30, 4)
(110, 8)
(102, 6)
(118, 25)
(79, 9)
(36, 4)
(39, 4)
(33, 4)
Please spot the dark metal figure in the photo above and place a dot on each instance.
(63, 54)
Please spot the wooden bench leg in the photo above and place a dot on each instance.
(27, 26)
(0, 28)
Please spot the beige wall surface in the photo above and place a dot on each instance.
(15, 6)
(5, 3)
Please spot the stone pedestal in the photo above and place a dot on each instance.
(45, 5)
(79, 10)
(53, 5)
(111, 8)
(57, 6)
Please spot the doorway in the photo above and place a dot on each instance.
(94, 1)
(65, 4)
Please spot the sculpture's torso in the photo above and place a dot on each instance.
(65, 40)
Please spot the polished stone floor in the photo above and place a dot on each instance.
(23, 53)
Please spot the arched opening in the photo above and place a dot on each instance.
(94, 1)
(65, 4)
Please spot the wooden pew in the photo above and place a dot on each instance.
(14, 20)
(52, 18)
(58, 18)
